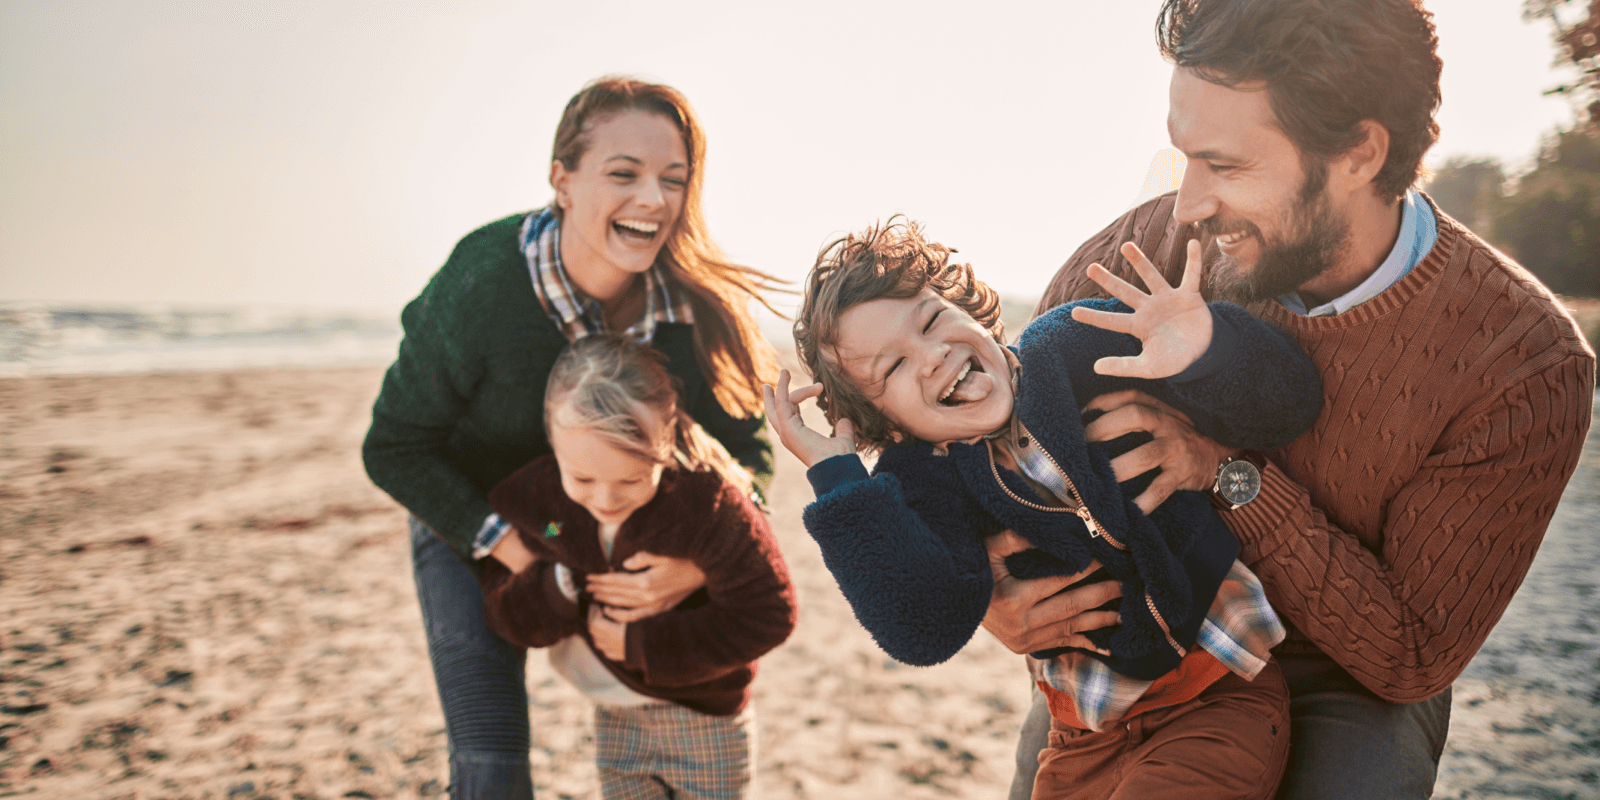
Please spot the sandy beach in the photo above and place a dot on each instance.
(203, 597)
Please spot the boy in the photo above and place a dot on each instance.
(976, 438)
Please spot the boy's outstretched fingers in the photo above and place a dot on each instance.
(783, 412)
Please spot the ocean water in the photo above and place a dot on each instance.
(63, 339)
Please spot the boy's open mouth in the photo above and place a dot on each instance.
(971, 384)
(635, 230)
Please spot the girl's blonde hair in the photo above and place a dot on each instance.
(729, 347)
(622, 391)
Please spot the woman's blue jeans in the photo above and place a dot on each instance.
(480, 677)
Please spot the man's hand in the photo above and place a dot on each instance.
(610, 635)
(783, 413)
(1187, 458)
(1173, 324)
(653, 584)
(1029, 615)
(511, 552)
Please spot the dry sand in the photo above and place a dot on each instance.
(201, 596)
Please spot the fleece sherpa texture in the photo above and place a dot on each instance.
(700, 655)
(463, 405)
(906, 544)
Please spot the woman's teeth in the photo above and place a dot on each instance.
(636, 227)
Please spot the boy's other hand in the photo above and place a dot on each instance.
(783, 413)
(1173, 324)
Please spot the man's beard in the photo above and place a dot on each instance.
(1283, 266)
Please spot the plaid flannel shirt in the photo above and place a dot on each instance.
(1240, 630)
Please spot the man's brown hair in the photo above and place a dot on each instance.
(1327, 65)
(891, 261)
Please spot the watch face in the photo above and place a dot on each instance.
(1239, 482)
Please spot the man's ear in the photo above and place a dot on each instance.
(1360, 165)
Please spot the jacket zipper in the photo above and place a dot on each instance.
(1082, 511)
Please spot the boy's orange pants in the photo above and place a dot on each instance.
(1230, 741)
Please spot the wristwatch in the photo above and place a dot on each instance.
(1238, 482)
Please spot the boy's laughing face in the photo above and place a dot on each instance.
(927, 365)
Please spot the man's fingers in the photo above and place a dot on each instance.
(1140, 460)
(1123, 420)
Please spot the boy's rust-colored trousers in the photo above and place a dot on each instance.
(1230, 741)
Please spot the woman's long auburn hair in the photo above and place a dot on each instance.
(729, 347)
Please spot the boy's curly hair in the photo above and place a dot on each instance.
(891, 261)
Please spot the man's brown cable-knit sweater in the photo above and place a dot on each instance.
(1393, 534)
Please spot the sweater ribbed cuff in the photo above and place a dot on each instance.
(831, 473)
(1254, 522)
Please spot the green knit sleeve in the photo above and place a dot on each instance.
(426, 393)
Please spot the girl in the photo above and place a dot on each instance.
(631, 472)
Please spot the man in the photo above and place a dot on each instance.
(1458, 392)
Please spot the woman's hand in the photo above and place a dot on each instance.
(610, 635)
(1032, 615)
(651, 585)
(783, 413)
(511, 552)
(1173, 324)
(1187, 458)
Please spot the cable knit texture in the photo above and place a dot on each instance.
(1392, 536)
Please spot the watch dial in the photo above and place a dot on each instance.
(1239, 482)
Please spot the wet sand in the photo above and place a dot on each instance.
(201, 596)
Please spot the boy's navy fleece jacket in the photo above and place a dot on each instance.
(906, 543)
(700, 654)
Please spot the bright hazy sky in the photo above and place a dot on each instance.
(330, 153)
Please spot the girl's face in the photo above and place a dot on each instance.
(610, 483)
(622, 202)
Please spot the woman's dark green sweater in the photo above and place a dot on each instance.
(463, 404)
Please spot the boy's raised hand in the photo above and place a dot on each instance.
(783, 412)
(1173, 324)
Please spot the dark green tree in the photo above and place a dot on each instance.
(1551, 223)
(1577, 40)
(1468, 189)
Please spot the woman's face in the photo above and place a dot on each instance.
(622, 202)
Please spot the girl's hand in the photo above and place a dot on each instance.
(1173, 324)
(511, 552)
(651, 585)
(783, 413)
(610, 636)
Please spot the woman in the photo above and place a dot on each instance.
(624, 248)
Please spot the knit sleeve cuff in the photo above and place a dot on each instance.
(1225, 347)
(1254, 522)
(831, 473)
